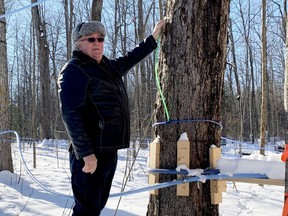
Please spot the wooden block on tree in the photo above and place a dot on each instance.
(183, 157)
(216, 186)
(154, 161)
(216, 193)
(214, 154)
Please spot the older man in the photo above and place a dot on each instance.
(95, 111)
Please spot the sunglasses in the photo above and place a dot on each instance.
(92, 40)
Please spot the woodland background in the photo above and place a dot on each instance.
(35, 44)
(33, 109)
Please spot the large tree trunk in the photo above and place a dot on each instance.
(191, 71)
(5, 147)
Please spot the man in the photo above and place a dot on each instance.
(95, 111)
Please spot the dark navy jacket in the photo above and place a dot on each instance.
(93, 100)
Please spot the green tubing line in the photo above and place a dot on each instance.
(158, 81)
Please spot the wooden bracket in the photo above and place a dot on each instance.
(183, 157)
(216, 186)
(154, 162)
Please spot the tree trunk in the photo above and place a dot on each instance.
(286, 104)
(43, 59)
(253, 110)
(235, 70)
(264, 82)
(191, 71)
(160, 9)
(96, 10)
(34, 87)
(143, 99)
(68, 26)
(5, 146)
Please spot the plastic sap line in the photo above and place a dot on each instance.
(20, 9)
(186, 180)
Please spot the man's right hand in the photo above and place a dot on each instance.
(90, 164)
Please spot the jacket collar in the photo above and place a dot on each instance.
(83, 57)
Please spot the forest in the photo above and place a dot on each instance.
(218, 63)
(38, 43)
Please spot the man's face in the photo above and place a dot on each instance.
(92, 45)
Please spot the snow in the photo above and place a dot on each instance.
(191, 172)
(20, 195)
(183, 137)
(272, 169)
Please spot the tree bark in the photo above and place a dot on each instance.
(286, 104)
(264, 82)
(96, 10)
(5, 146)
(43, 59)
(143, 99)
(68, 14)
(191, 72)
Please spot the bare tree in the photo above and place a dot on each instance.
(234, 67)
(263, 127)
(191, 71)
(5, 147)
(142, 90)
(248, 99)
(43, 59)
(68, 14)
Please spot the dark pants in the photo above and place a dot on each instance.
(91, 191)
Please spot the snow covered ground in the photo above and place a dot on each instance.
(20, 195)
